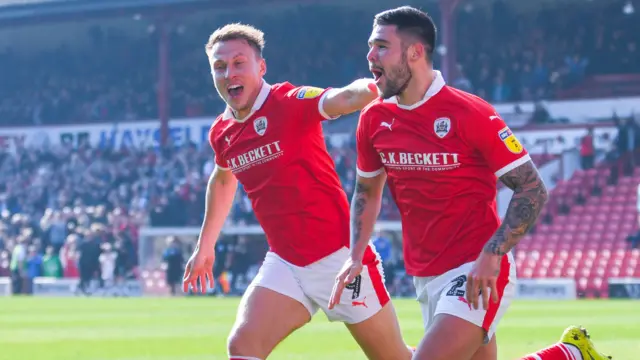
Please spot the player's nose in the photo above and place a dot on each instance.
(371, 56)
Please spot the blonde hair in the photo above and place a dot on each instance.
(237, 31)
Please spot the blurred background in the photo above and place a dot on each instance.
(105, 107)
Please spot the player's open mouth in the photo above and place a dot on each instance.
(235, 90)
(377, 74)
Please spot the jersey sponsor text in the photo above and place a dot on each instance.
(420, 161)
(257, 156)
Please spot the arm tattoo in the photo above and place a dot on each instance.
(529, 196)
(359, 201)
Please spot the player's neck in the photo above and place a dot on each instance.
(417, 87)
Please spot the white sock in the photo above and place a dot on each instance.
(574, 351)
(231, 357)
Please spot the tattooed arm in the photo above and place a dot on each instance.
(365, 207)
(529, 196)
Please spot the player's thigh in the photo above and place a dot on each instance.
(265, 318)
(380, 337)
(450, 338)
(273, 306)
(488, 351)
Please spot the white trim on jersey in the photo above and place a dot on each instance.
(369, 174)
(513, 165)
(262, 97)
(321, 106)
(222, 168)
(436, 86)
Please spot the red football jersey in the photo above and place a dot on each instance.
(278, 154)
(442, 156)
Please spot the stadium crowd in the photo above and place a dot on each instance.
(520, 56)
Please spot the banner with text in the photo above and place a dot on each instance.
(624, 288)
(43, 286)
(196, 130)
(546, 289)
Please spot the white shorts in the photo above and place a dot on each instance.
(312, 285)
(445, 294)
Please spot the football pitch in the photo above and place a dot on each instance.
(196, 328)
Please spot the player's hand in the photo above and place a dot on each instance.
(482, 280)
(199, 266)
(349, 271)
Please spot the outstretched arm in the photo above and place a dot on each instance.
(353, 97)
(529, 196)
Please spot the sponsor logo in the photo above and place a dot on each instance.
(253, 157)
(420, 161)
(510, 140)
(360, 303)
(309, 92)
(388, 125)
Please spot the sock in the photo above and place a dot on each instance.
(558, 351)
(242, 358)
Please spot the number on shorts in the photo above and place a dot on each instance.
(355, 287)
(457, 284)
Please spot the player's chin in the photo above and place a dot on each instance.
(236, 102)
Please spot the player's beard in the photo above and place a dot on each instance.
(398, 78)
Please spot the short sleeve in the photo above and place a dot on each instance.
(368, 163)
(490, 135)
(218, 158)
(310, 101)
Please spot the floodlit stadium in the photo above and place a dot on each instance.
(105, 113)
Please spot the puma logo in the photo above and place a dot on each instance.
(360, 303)
(464, 300)
(387, 125)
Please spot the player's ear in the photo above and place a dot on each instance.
(263, 67)
(416, 51)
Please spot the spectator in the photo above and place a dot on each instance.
(385, 250)
(587, 150)
(18, 266)
(34, 267)
(174, 262)
(51, 264)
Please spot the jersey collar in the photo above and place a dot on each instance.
(437, 85)
(262, 97)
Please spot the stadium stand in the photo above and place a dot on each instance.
(106, 70)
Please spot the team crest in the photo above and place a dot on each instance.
(442, 126)
(510, 140)
(309, 92)
(260, 125)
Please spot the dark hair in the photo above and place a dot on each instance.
(410, 21)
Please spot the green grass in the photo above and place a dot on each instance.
(196, 328)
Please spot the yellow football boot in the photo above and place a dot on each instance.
(578, 337)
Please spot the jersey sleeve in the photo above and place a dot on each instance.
(310, 101)
(368, 162)
(217, 154)
(491, 136)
